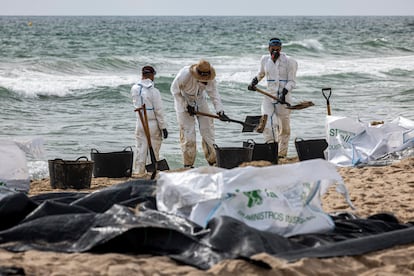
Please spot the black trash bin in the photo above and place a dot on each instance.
(231, 157)
(115, 164)
(310, 149)
(69, 174)
(263, 151)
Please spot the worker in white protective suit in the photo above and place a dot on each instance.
(280, 72)
(144, 92)
(190, 89)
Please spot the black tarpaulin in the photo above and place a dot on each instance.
(123, 219)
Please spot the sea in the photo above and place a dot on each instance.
(67, 80)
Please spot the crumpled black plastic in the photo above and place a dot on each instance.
(124, 219)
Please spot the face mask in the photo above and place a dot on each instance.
(275, 55)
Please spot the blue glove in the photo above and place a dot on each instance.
(165, 133)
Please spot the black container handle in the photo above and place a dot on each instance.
(94, 151)
(298, 139)
(251, 141)
(129, 147)
(215, 146)
(82, 157)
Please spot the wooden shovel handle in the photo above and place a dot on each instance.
(147, 133)
(267, 94)
(208, 115)
(142, 112)
(218, 117)
(301, 105)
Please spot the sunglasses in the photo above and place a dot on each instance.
(275, 43)
(203, 74)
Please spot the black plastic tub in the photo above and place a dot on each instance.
(69, 174)
(310, 149)
(231, 157)
(263, 151)
(115, 164)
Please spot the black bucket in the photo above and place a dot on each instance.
(310, 149)
(231, 157)
(263, 151)
(113, 164)
(68, 174)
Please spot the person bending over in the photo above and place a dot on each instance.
(190, 89)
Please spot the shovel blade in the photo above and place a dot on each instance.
(250, 123)
(162, 165)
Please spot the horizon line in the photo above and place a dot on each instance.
(186, 15)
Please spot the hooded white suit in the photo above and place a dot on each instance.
(144, 92)
(280, 74)
(189, 91)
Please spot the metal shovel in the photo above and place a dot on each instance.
(328, 92)
(301, 105)
(155, 165)
(251, 123)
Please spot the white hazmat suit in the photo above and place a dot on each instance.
(188, 90)
(144, 92)
(280, 74)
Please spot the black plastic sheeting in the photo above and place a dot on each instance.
(123, 219)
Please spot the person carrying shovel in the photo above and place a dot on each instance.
(145, 94)
(280, 72)
(190, 88)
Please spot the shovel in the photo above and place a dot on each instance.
(155, 165)
(298, 106)
(251, 123)
(328, 92)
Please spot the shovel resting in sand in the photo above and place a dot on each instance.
(155, 165)
(327, 92)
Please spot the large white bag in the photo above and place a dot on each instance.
(283, 199)
(339, 132)
(14, 172)
(352, 142)
(13, 167)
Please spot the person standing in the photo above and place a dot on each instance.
(144, 92)
(190, 89)
(280, 72)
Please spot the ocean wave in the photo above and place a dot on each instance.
(307, 45)
(33, 83)
(6, 93)
(408, 92)
(376, 42)
(63, 78)
(84, 65)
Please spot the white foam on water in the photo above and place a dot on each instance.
(343, 65)
(31, 84)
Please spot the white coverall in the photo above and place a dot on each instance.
(187, 90)
(144, 92)
(280, 74)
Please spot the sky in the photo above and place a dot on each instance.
(207, 7)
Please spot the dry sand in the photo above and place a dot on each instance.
(372, 190)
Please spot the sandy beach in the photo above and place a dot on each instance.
(375, 189)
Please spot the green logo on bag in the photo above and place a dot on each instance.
(254, 198)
